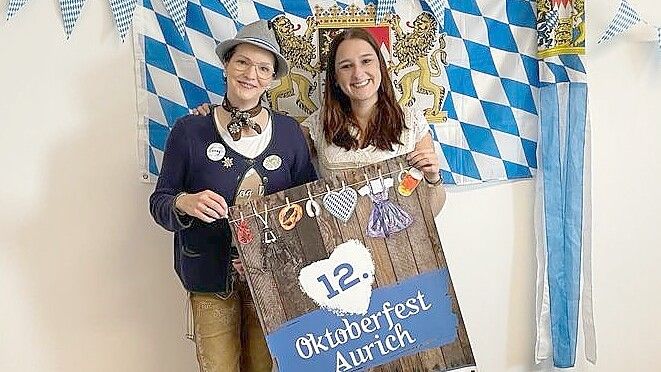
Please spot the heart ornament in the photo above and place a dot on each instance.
(341, 204)
(342, 283)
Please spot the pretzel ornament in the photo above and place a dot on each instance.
(289, 216)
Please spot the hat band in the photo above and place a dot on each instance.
(266, 44)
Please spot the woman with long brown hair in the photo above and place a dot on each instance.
(360, 122)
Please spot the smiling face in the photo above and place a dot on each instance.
(357, 71)
(245, 84)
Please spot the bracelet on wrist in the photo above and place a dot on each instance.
(174, 204)
(435, 183)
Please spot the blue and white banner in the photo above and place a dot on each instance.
(70, 12)
(563, 207)
(14, 6)
(625, 18)
(122, 11)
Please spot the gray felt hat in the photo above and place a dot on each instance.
(260, 34)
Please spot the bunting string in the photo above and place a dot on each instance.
(122, 11)
(70, 12)
(14, 6)
(625, 18)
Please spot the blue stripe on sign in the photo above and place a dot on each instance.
(322, 341)
(574, 212)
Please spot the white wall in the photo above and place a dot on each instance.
(86, 279)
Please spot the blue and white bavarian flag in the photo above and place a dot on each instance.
(563, 211)
(477, 80)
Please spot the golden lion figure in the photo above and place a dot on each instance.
(299, 51)
(413, 49)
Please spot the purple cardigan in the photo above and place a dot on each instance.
(202, 251)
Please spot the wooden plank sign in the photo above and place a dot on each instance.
(362, 285)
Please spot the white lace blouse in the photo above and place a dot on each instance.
(332, 157)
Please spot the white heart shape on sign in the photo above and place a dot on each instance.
(342, 283)
(341, 204)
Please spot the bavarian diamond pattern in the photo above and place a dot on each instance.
(491, 80)
(14, 6)
(492, 74)
(70, 13)
(122, 11)
(383, 7)
(625, 17)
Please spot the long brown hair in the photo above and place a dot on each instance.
(386, 122)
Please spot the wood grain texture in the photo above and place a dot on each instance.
(400, 256)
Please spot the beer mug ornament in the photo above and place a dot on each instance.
(408, 181)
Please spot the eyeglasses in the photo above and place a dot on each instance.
(264, 70)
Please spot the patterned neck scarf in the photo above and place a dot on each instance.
(241, 119)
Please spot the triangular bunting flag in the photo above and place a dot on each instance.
(14, 6)
(438, 9)
(383, 7)
(232, 7)
(177, 10)
(122, 11)
(70, 13)
(625, 17)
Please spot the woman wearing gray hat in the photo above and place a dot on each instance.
(239, 152)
